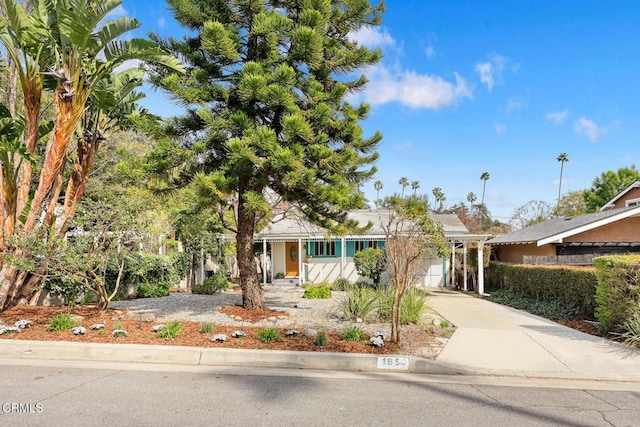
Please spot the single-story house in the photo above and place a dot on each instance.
(304, 253)
(575, 240)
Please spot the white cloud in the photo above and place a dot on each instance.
(558, 117)
(430, 51)
(162, 22)
(500, 128)
(515, 104)
(491, 71)
(584, 126)
(413, 90)
(118, 12)
(372, 37)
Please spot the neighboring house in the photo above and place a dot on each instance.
(575, 240)
(305, 253)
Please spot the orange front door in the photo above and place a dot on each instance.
(291, 255)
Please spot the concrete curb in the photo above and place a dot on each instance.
(193, 356)
(199, 356)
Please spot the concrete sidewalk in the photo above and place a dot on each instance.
(494, 339)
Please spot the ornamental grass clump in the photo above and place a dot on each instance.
(358, 302)
(61, 322)
(171, 330)
(353, 333)
(268, 335)
(321, 339)
(206, 328)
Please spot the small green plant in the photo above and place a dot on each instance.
(279, 276)
(321, 339)
(171, 330)
(353, 333)
(206, 328)
(321, 291)
(268, 335)
(61, 322)
(445, 324)
(117, 325)
(341, 284)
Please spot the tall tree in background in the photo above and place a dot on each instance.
(267, 81)
(403, 182)
(378, 186)
(484, 177)
(562, 158)
(608, 185)
(440, 198)
(68, 45)
(414, 186)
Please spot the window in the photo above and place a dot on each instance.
(632, 202)
(324, 248)
(364, 244)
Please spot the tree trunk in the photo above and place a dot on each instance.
(252, 292)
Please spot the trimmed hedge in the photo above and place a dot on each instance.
(618, 290)
(572, 286)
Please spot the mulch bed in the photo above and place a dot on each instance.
(141, 333)
(581, 325)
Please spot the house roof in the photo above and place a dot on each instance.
(295, 227)
(556, 229)
(611, 203)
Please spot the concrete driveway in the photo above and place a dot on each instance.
(494, 339)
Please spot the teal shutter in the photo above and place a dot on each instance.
(351, 248)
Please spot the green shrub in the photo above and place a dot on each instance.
(618, 290)
(206, 328)
(358, 302)
(61, 322)
(211, 285)
(553, 310)
(156, 290)
(279, 275)
(268, 335)
(117, 325)
(370, 262)
(66, 288)
(321, 291)
(570, 286)
(171, 330)
(353, 333)
(341, 284)
(321, 339)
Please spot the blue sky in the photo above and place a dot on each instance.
(499, 86)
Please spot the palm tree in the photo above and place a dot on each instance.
(404, 182)
(414, 186)
(471, 198)
(484, 177)
(378, 186)
(562, 158)
(440, 198)
(69, 44)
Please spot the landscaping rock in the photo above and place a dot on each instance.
(158, 328)
(380, 334)
(76, 318)
(436, 322)
(282, 317)
(9, 330)
(359, 320)
(23, 323)
(142, 317)
(219, 338)
(119, 333)
(310, 333)
(272, 318)
(97, 326)
(238, 334)
(377, 341)
(292, 333)
(78, 330)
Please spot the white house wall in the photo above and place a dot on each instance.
(277, 258)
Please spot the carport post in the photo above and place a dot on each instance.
(464, 261)
(480, 268)
(264, 261)
(453, 265)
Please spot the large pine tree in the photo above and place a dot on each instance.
(266, 85)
